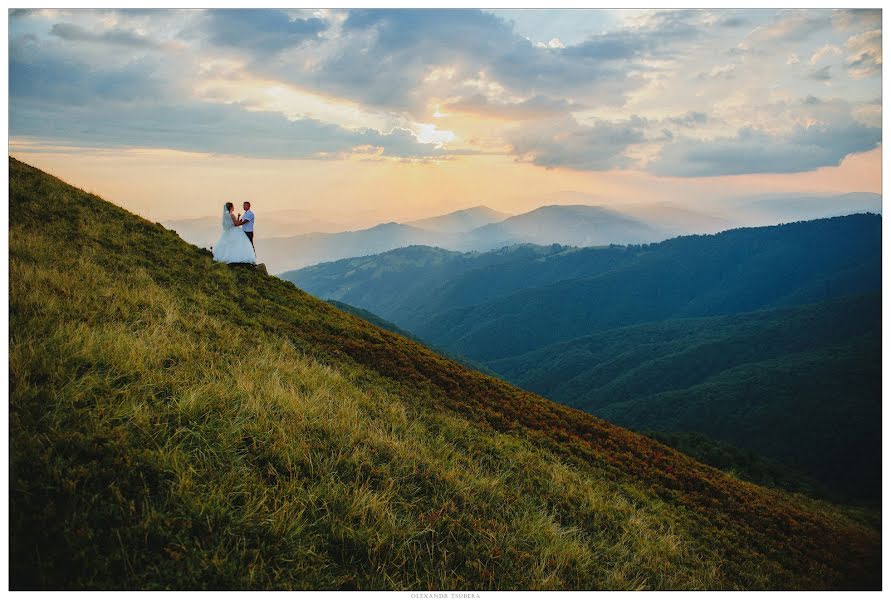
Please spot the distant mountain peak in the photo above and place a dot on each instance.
(460, 221)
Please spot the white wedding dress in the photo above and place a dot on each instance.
(233, 245)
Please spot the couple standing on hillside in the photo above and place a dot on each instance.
(236, 245)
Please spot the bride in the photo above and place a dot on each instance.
(233, 245)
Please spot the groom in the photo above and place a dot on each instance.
(248, 218)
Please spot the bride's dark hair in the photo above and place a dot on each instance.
(229, 206)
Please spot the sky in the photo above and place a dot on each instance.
(364, 116)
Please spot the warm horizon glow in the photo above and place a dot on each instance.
(177, 185)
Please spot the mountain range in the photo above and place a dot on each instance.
(461, 220)
(621, 330)
(288, 240)
(177, 423)
(579, 225)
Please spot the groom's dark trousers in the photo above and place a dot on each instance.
(250, 235)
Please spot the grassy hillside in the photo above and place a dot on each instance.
(177, 423)
(384, 324)
(373, 319)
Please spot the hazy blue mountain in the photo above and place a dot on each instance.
(281, 254)
(571, 225)
(461, 220)
(499, 304)
(785, 208)
(675, 220)
(575, 225)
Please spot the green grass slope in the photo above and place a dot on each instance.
(177, 423)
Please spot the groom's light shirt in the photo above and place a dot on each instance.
(249, 217)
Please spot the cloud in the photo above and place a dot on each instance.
(552, 43)
(865, 57)
(688, 120)
(385, 57)
(795, 25)
(609, 46)
(536, 107)
(261, 31)
(821, 74)
(114, 36)
(58, 98)
(565, 143)
(756, 151)
(727, 71)
(217, 129)
(827, 50)
(866, 18)
(733, 22)
(61, 81)
(786, 28)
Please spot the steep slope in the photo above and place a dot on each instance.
(373, 319)
(821, 415)
(177, 423)
(744, 464)
(384, 324)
